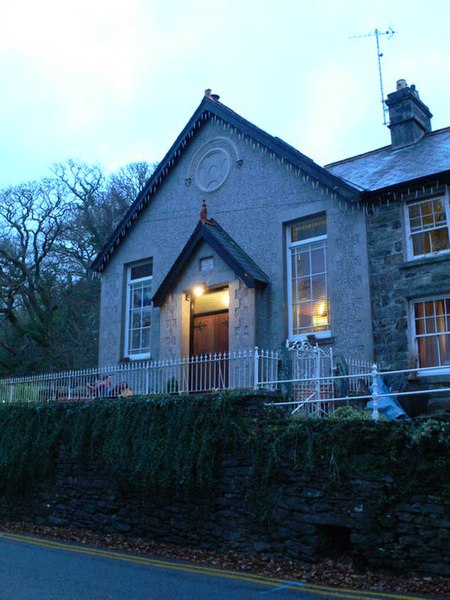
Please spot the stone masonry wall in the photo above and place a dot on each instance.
(308, 517)
(395, 281)
(309, 523)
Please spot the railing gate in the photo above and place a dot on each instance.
(312, 368)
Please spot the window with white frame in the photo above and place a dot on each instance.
(427, 224)
(309, 300)
(139, 310)
(431, 331)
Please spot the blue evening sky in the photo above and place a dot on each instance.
(115, 81)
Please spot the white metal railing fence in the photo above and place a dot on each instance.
(373, 391)
(359, 372)
(320, 383)
(319, 377)
(243, 369)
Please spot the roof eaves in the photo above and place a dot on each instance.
(420, 184)
(206, 108)
(153, 183)
(286, 152)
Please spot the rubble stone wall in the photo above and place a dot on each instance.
(304, 514)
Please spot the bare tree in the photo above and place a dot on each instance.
(50, 231)
(97, 204)
(126, 183)
(32, 219)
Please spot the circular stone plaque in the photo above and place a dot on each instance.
(212, 169)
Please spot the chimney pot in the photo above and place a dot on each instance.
(401, 84)
(208, 93)
(215, 97)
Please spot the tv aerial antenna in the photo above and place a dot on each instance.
(377, 33)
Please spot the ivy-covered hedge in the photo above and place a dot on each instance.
(167, 446)
(399, 458)
(174, 447)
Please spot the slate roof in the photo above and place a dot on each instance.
(385, 167)
(212, 108)
(218, 239)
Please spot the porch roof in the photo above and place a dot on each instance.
(231, 253)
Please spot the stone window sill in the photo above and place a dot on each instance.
(329, 339)
(425, 261)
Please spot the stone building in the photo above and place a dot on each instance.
(405, 191)
(238, 239)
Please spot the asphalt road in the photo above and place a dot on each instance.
(37, 569)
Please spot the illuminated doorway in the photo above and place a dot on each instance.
(209, 339)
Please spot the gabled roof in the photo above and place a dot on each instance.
(385, 167)
(211, 108)
(211, 232)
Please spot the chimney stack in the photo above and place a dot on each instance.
(409, 117)
(211, 96)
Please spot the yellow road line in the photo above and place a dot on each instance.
(367, 595)
(322, 590)
(143, 560)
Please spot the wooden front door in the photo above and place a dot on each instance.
(209, 369)
(210, 334)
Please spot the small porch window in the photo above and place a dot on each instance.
(206, 264)
(138, 310)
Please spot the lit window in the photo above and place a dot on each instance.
(139, 310)
(427, 227)
(431, 331)
(309, 301)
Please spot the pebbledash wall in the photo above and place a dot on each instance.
(393, 517)
(258, 200)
